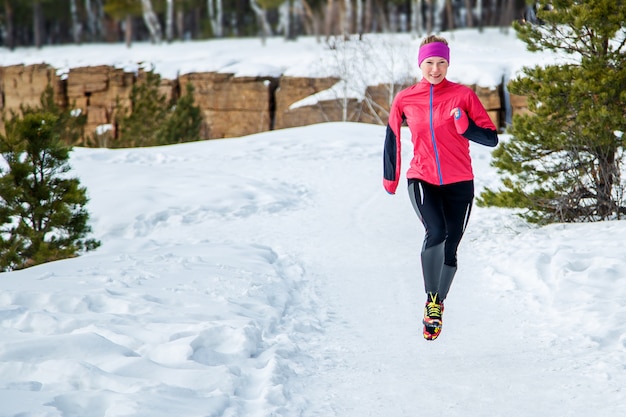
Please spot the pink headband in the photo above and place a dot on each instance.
(433, 49)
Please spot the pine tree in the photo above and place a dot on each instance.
(153, 120)
(71, 125)
(42, 211)
(563, 162)
(139, 126)
(183, 121)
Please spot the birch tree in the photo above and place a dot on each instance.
(284, 19)
(260, 8)
(479, 13)
(314, 19)
(151, 20)
(298, 18)
(169, 21)
(100, 31)
(359, 17)
(417, 26)
(216, 16)
(76, 26)
(261, 15)
(91, 20)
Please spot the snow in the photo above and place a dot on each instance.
(271, 275)
(476, 58)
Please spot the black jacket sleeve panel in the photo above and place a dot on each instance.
(389, 155)
(481, 135)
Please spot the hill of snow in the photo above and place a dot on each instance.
(271, 275)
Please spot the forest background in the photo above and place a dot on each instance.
(49, 22)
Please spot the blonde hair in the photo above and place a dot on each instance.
(433, 38)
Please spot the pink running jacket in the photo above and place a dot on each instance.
(440, 141)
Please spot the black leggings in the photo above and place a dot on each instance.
(444, 210)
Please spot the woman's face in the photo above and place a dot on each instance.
(434, 69)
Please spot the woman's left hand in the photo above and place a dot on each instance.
(461, 121)
(456, 112)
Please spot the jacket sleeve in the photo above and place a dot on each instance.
(392, 150)
(480, 128)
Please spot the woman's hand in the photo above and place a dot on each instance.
(461, 121)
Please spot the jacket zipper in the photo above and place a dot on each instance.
(432, 135)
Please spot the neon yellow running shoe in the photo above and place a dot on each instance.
(433, 321)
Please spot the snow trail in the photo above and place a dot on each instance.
(272, 276)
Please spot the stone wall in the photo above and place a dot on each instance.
(96, 90)
(231, 106)
(22, 85)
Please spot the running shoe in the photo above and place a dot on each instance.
(433, 321)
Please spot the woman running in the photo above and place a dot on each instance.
(442, 117)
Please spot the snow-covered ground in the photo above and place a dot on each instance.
(272, 275)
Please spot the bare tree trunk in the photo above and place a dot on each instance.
(211, 12)
(359, 18)
(37, 23)
(507, 15)
(75, 22)
(152, 22)
(470, 14)
(180, 23)
(429, 16)
(100, 28)
(219, 18)
(308, 19)
(169, 21)
(315, 20)
(262, 17)
(491, 12)
(367, 24)
(297, 18)
(284, 19)
(438, 14)
(449, 14)
(216, 17)
(417, 27)
(347, 19)
(382, 20)
(128, 30)
(91, 20)
(10, 35)
(392, 14)
(330, 14)
(479, 13)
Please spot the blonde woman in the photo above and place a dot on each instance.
(443, 117)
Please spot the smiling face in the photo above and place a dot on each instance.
(434, 69)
